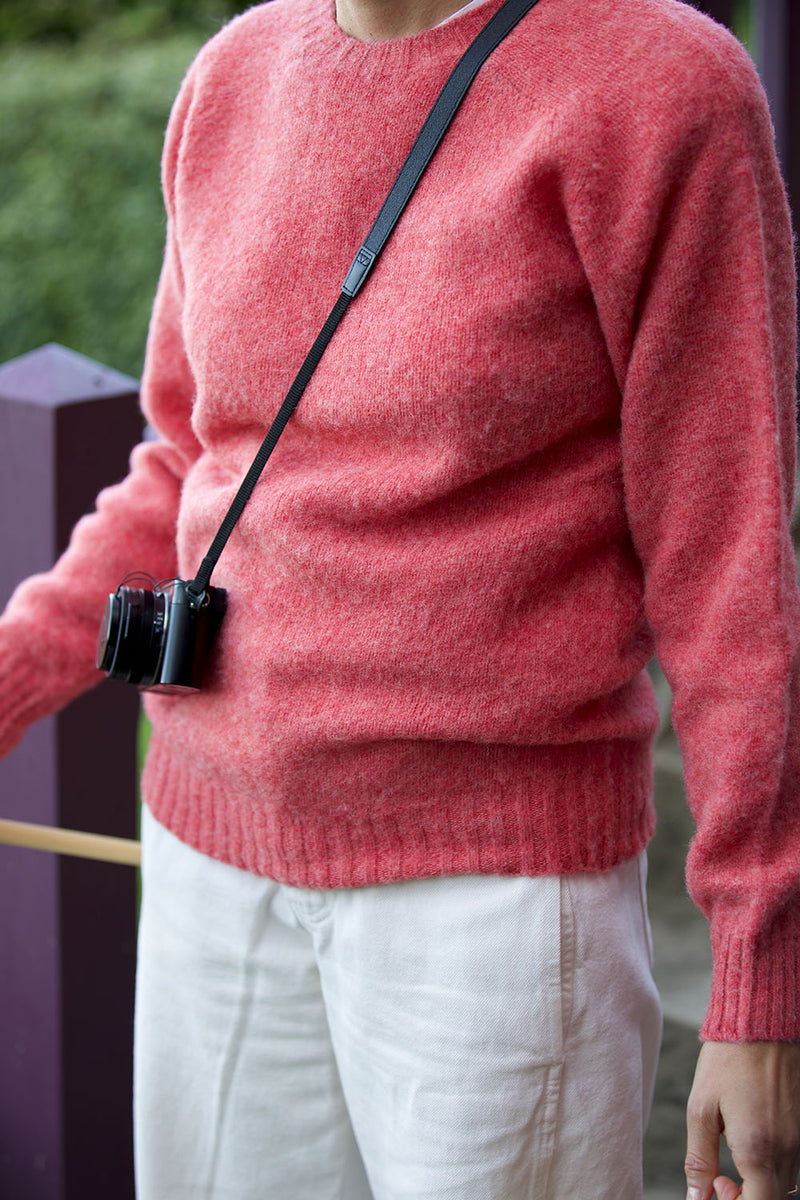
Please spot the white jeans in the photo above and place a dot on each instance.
(473, 1037)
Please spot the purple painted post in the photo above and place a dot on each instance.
(67, 925)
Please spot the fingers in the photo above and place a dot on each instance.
(703, 1129)
(725, 1188)
(764, 1148)
(751, 1093)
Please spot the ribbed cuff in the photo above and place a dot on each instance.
(755, 992)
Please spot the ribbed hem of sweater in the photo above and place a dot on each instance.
(429, 809)
(756, 990)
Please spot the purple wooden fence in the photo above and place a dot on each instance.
(67, 926)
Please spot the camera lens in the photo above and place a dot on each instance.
(131, 638)
(109, 630)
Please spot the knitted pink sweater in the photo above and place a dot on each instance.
(553, 436)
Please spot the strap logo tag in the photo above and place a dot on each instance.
(358, 271)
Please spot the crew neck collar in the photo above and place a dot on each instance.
(461, 27)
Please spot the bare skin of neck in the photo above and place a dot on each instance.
(376, 20)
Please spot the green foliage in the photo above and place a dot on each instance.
(743, 22)
(81, 214)
(27, 20)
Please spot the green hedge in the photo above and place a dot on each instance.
(81, 214)
(27, 20)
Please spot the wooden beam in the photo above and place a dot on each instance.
(70, 841)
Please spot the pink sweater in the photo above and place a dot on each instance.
(553, 436)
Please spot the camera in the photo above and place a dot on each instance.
(158, 637)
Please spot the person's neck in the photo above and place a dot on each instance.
(375, 20)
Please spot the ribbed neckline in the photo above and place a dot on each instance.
(456, 33)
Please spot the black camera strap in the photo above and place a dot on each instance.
(428, 138)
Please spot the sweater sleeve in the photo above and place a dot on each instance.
(48, 632)
(698, 300)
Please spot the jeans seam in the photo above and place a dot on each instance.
(567, 963)
(567, 956)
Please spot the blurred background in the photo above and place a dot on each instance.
(86, 87)
(85, 90)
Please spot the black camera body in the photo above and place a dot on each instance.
(159, 637)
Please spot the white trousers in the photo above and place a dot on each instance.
(453, 1038)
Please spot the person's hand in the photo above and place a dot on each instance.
(749, 1091)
